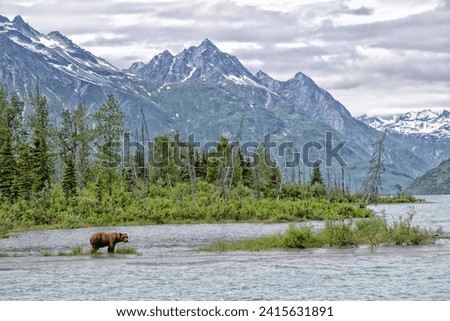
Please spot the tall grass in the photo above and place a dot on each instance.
(125, 250)
(79, 251)
(372, 231)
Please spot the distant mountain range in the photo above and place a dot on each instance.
(433, 182)
(425, 133)
(421, 124)
(205, 91)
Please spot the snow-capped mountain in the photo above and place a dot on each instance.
(203, 63)
(425, 123)
(297, 99)
(199, 90)
(68, 75)
(55, 50)
(304, 94)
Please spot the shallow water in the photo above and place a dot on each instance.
(169, 267)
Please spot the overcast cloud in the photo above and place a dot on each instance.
(374, 56)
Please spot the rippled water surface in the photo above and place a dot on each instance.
(169, 267)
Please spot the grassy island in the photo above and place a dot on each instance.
(397, 199)
(73, 173)
(164, 205)
(371, 231)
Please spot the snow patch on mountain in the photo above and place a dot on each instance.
(60, 52)
(197, 63)
(420, 123)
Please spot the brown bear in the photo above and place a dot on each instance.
(110, 240)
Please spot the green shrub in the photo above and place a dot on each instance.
(6, 224)
(176, 204)
(77, 250)
(403, 233)
(339, 234)
(372, 231)
(46, 253)
(299, 237)
(125, 250)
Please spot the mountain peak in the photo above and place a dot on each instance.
(165, 54)
(56, 35)
(419, 123)
(261, 74)
(4, 19)
(204, 62)
(426, 114)
(208, 43)
(268, 81)
(206, 48)
(135, 67)
(25, 28)
(299, 76)
(19, 21)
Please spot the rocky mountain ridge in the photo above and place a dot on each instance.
(200, 90)
(424, 123)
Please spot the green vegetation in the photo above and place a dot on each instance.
(434, 182)
(126, 250)
(371, 231)
(5, 225)
(76, 251)
(402, 198)
(163, 206)
(80, 251)
(77, 174)
(46, 253)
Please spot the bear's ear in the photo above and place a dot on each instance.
(120, 235)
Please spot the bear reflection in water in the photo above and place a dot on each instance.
(110, 240)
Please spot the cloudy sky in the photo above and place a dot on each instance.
(374, 56)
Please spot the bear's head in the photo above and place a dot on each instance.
(123, 237)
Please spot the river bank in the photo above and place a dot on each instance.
(170, 267)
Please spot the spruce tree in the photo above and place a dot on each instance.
(74, 138)
(41, 155)
(108, 130)
(7, 168)
(6, 155)
(269, 174)
(83, 139)
(163, 168)
(219, 163)
(10, 124)
(25, 175)
(69, 182)
(248, 177)
(316, 177)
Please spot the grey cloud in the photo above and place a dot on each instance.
(419, 43)
(417, 46)
(425, 31)
(363, 11)
(220, 22)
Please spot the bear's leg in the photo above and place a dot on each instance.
(111, 249)
(94, 250)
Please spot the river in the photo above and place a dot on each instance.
(168, 265)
